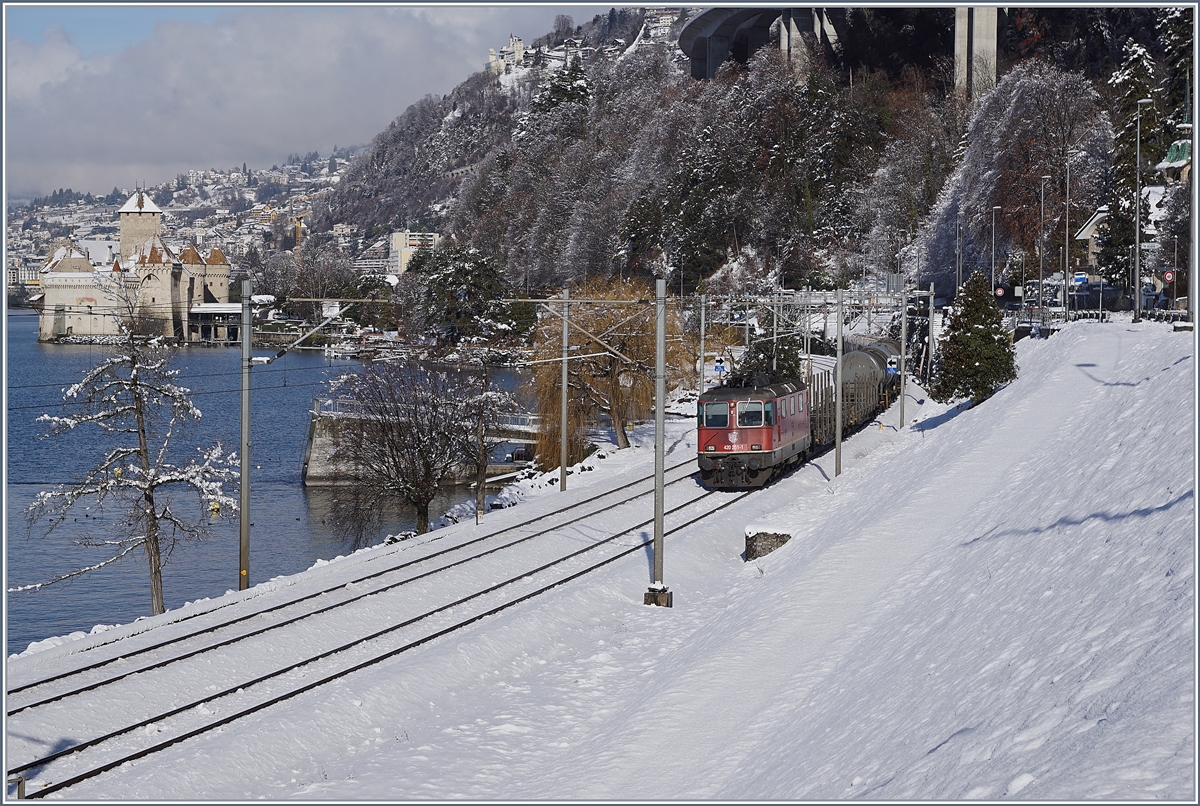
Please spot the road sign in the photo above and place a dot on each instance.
(719, 366)
(1168, 276)
(1000, 291)
(1080, 277)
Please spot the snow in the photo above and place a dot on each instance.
(140, 202)
(994, 602)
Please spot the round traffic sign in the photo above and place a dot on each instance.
(1168, 276)
(1000, 291)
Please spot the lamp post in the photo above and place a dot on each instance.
(1042, 253)
(994, 209)
(1067, 232)
(1191, 297)
(1137, 227)
(957, 253)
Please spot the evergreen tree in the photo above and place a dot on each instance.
(567, 86)
(1137, 78)
(463, 294)
(976, 356)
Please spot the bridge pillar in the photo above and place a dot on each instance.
(708, 54)
(974, 50)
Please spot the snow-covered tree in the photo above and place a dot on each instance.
(1136, 79)
(132, 400)
(975, 355)
(1035, 120)
(404, 434)
(463, 292)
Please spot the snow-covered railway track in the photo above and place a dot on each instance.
(193, 704)
(218, 628)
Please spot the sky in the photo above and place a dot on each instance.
(98, 96)
(992, 603)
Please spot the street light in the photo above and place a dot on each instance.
(1067, 233)
(1191, 299)
(994, 209)
(1042, 253)
(1137, 228)
(958, 253)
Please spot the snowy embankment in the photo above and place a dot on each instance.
(995, 602)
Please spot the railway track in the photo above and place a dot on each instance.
(578, 539)
(399, 609)
(211, 622)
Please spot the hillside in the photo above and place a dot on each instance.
(863, 161)
(997, 602)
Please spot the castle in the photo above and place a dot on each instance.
(147, 285)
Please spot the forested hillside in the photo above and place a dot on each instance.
(862, 161)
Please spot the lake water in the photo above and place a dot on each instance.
(288, 522)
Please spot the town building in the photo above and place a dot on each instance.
(405, 244)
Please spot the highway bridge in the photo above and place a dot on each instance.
(717, 34)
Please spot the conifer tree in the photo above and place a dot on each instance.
(976, 355)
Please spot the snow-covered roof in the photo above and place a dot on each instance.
(217, 307)
(1088, 230)
(1178, 155)
(140, 203)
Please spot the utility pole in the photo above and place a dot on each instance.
(658, 594)
(244, 498)
(932, 341)
(774, 331)
(903, 346)
(994, 209)
(837, 394)
(703, 360)
(1042, 255)
(957, 255)
(562, 429)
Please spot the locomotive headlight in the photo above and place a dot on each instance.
(710, 447)
(756, 447)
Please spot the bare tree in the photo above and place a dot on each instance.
(485, 407)
(132, 397)
(613, 375)
(405, 431)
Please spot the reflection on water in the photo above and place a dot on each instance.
(290, 525)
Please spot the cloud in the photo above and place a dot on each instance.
(252, 86)
(32, 67)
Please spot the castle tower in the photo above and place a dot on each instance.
(141, 220)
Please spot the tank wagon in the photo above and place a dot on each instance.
(752, 427)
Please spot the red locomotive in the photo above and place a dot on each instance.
(749, 429)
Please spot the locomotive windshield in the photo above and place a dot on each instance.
(750, 413)
(716, 415)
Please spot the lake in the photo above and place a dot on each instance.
(288, 522)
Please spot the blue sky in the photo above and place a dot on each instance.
(97, 97)
(99, 29)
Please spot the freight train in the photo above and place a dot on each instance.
(752, 427)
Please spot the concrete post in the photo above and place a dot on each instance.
(244, 500)
(903, 349)
(837, 394)
(562, 428)
(658, 594)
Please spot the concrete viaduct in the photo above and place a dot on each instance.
(717, 34)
